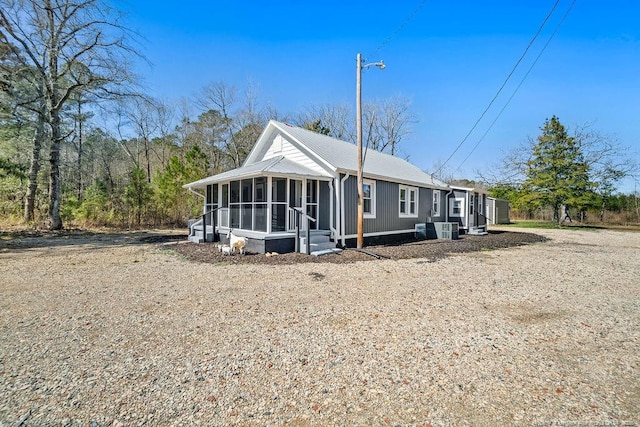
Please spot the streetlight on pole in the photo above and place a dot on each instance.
(359, 67)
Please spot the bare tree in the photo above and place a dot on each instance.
(392, 123)
(241, 119)
(385, 123)
(142, 115)
(23, 102)
(73, 46)
(607, 161)
(339, 119)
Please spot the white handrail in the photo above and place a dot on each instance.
(193, 226)
(302, 213)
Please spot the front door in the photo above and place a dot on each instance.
(472, 212)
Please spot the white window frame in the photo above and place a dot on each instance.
(435, 206)
(452, 207)
(372, 185)
(408, 192)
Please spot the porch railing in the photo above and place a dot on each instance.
(298, 215)
(208, 218)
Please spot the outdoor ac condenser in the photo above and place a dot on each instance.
(446, 230)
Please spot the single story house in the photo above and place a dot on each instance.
(295, 180)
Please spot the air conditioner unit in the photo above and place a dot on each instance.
(446, 230)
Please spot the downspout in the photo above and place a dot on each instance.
(192, 191)
(447, 205)
(342, 228)
(466, 210)
(331, 216)
(204, 207)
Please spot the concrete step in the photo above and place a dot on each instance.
(326, 252)
(477, 231)
(196, 239)
(316, 236)
(320, 246)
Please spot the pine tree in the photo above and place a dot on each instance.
(557, 174)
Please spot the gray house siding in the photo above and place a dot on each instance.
(443, 206)
(324, 203)
(387, 201)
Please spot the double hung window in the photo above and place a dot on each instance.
(408, 201)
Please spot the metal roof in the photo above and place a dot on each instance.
(342, 156)
(274, 166)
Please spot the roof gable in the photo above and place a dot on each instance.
(340, 156)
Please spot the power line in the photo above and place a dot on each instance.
(519, 85)
(400, 28)
(501, 87)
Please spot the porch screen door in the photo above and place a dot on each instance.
(295, 201)
(312, 202)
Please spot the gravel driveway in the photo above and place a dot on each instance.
(118, 332)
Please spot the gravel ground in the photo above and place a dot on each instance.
(121, 331)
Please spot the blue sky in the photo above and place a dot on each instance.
(450, 60)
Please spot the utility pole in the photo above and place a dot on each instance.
(360, 221)
(360, 231)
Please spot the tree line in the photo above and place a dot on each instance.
(80, 140)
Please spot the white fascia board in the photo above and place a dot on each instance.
(475, 190)
(394, 180)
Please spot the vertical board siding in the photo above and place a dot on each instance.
(387, 208)
(323, 206)
(443, 206)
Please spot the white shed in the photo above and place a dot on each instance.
(497, 211)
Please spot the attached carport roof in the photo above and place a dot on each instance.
(273, 166)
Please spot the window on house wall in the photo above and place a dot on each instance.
(435, 209)
(408, 201)
(456, 207)
(471, 204)
(369, 200)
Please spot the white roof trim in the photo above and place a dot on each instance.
(274, 166)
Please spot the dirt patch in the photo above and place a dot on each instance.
(432, 250)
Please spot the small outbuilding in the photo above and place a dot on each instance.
(497, 211)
